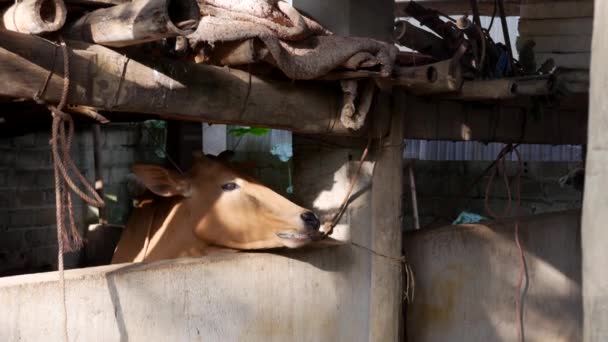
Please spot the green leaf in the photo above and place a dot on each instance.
(256, 131)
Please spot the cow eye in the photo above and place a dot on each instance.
(230, 186)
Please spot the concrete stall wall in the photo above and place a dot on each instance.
(467, 276)
(441, 187)
(27, 196)
(309, 296)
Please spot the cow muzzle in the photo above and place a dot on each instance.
(310, 231)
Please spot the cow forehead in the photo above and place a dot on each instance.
(217, 170)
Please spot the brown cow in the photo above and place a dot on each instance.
(212, 205)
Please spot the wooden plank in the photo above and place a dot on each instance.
(453, 7)
(571, 9)
(433, 119)
(555, 27)
(573, 75)
(556, 44)
(595, 202)
(566, 60)
(108, 80)
(92, 3)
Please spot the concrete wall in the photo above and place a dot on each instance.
(27, 197)
(466, 281)
(440, 185)
(309, 296)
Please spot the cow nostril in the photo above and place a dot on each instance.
(311, 220)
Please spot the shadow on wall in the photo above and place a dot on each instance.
(466, 281)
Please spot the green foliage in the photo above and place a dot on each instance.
(256, 131)
(155, 124)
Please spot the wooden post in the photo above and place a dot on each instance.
(387, 211)
(595, 202)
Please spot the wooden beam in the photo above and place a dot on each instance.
(104, 79)
(434, 119)
(553, 9)
(555, 27)
(567, 60)
(595, 202)
(558, 44)
(455, 7)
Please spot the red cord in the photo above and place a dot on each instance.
(500, 161)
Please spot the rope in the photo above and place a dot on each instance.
(523, 275)
(61, 142)
(328, 226)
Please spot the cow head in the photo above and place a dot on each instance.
(225, 207)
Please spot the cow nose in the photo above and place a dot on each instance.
(311, 220)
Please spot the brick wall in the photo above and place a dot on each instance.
(27, 197)
(440, 185)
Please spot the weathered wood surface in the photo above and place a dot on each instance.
(558, 44)
(420, 40)
(595, 202)
(436, 78)
(554, 27)
(570, 9)
(386, 236)
(92, 3)
(104, 79)
(434, 119)
(486, 7)
(136, 22)
(506, 88)
(35, 16)
(567, 60)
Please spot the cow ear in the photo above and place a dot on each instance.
(162, 182)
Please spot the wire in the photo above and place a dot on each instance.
(523, 270)
(493, 15)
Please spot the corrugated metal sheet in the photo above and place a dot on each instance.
(472, 150)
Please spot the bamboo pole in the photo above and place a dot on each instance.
(505, 88)
(35, 16)
(436, 78)
(136, 22)
(420, 40)
(104, 79)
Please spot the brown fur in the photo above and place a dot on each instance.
(195, 216)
